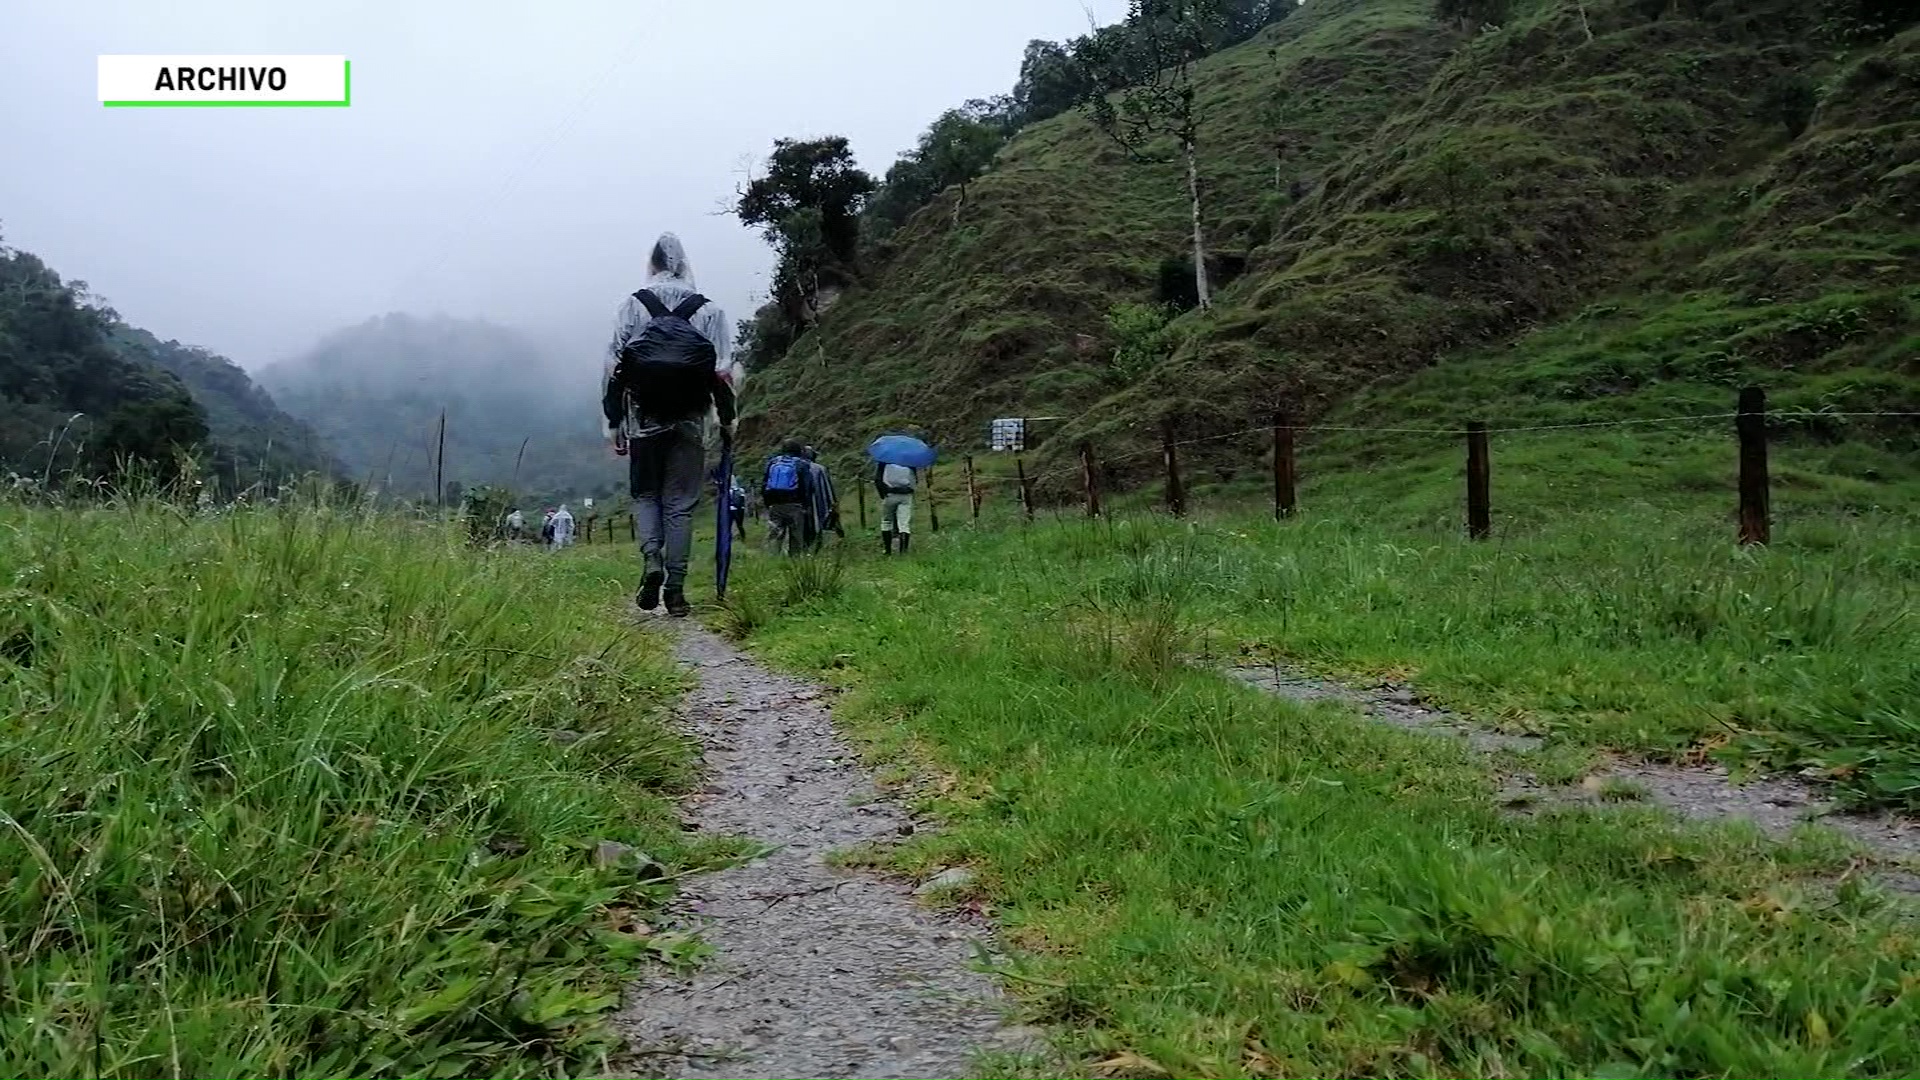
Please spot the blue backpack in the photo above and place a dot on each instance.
(668, 370)
(783, 476)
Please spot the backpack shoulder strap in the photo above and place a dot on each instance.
(690, 305)
(652, 303)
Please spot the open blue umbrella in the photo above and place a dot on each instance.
(902, 450)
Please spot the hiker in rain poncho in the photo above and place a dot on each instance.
(562, 528)
(824, 502)
(665, 444)
(516, 524)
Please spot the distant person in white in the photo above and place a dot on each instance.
(562, 528)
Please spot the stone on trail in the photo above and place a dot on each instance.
(958, 877)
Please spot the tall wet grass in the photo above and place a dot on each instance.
(1196, 879)
(301, 791)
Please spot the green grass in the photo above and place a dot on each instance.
(280, 794)
(1200, 880)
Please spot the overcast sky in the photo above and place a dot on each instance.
(506, 160)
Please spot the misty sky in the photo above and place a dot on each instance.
(509, 161)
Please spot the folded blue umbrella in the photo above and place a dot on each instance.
(723, 541)
(902, 450)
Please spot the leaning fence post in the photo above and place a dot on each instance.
(1756, 518)
(1026, 489)
(862, 490)
(1176, 495)
(1090, 478)
(1479, 478)
(1283, 493)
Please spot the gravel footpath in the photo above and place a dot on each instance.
(1776, 804)
(818, 972)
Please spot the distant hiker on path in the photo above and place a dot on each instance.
(736, 501)
(562, 528)
(669, 363)
(823, 503)
(895, 484)
(787, 490)
(516, 525)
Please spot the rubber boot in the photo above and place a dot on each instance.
(904, 537)
(886, 542)
(677, 605)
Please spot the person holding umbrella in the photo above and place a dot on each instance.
(897, 461)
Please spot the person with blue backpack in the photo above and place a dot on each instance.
(670, 364)
(786, 487)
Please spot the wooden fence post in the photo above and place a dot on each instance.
(973, 489)
(1756, 518)
(1283, 493)
(1091, 478)
(862, 490)
(1026, 489)
(1479, 479)
(933, 501)
(1176, 495)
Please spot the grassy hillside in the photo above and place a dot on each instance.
(1534, 225)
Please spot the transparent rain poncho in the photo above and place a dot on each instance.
(673, 283)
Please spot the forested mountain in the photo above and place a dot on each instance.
(375, 392)
(71, 403)
(1542, 209)
(250, 438)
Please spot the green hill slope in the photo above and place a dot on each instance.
(1593, 212)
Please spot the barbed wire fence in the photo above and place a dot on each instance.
(1751, 421)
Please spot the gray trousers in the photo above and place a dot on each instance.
(665, 473)
(788, 527)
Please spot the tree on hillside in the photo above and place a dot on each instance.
(1153, 64)
(1052, 80)
(957, 148)
(808, 205)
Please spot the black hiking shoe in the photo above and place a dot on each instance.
(677, 605)
(649, 597)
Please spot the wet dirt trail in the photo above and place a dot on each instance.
(817, 971)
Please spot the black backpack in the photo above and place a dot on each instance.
(669, 368)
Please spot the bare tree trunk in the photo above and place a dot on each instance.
(1199, 237)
